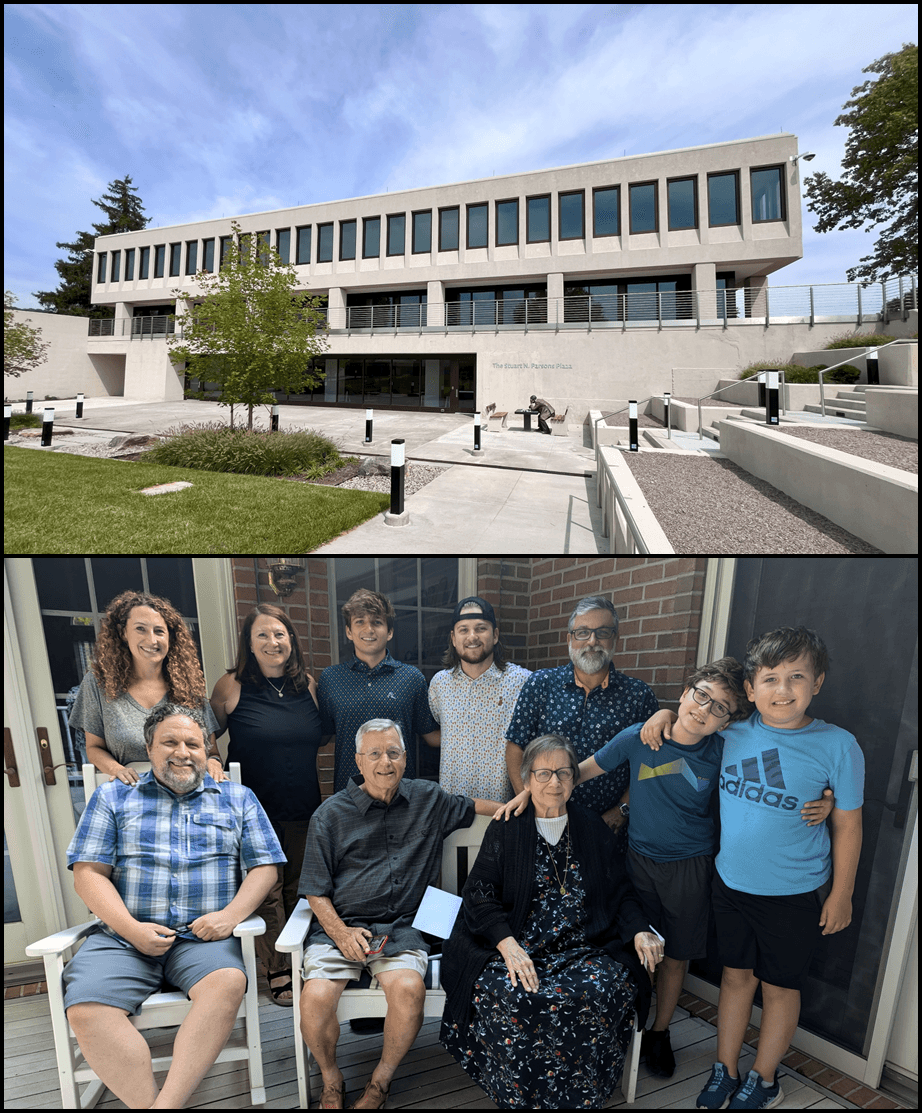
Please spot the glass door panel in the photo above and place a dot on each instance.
(378, 382)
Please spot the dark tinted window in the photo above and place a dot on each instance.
(507, 222)
(347, 239)
(538, 219)
(722, 208)
(477, 226)
(371, 240)
(324, 243)
(448, 229)
(605, 212)
(766, 195)
(422, 231)
(643, 207)
(396, 233)
(571, 216)
(681, 200)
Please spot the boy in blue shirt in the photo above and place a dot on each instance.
(672, 831)
(770, 898)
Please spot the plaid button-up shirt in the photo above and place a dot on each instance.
(174, 857)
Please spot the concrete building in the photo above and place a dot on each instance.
(585, 284)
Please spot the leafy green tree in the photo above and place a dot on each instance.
(881, 175)
(251, 332)
(23, 347)
(124, 213)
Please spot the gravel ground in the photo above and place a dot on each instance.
(644, 421)
(416, 476)
(712, 506)
(882, 448)
(711, 402)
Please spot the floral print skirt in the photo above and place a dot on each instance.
(563, 1046)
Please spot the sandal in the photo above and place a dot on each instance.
(278, 990)
(373, 1092)
(333, 1096)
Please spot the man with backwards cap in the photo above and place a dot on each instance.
(544, 410)
(473, 699)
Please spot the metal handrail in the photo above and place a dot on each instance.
(727, 387)
(868, 351)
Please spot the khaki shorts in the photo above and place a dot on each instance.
(323, 960)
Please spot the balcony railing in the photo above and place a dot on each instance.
(834, 301)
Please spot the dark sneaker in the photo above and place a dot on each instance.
(720, 1088)
(656, 1047)
(755, 1093)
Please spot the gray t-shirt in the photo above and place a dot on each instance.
(120, 722)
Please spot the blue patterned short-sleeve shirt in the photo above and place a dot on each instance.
(553, 703)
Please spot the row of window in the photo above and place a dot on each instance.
(682, 203)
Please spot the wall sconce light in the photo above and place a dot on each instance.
(807, 157)
(283, 574)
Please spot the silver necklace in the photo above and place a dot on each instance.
(278, 691)
(566, 869)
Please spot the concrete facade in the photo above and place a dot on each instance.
(69, 367)
(573, 365)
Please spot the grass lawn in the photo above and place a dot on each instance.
(60, 503)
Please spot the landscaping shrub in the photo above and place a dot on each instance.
(794, 373)
(858, 340)
(25, 421)
(216, 447)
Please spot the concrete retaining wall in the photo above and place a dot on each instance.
(613, 471)
(873, 501)
(894, 409)
(899, 366)
(795, 396)
(68, 368)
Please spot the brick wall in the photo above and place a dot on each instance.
(658, 604)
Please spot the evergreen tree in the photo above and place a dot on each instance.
(124, 213)
(881, 169)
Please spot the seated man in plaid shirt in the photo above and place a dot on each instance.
(159, 863)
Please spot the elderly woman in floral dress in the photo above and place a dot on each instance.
(543, 971)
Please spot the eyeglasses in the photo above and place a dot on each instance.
(375, 755)
(700, 696)
(602, 633)
(564, 775)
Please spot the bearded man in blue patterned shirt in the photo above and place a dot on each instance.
(159, 862)
(588, 702)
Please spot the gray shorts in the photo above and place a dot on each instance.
(322, 960)
(109, 971)
(676, 899)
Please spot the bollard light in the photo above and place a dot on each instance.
(632, 423)
(28, 401)
(666, 398)
(274, 420)
(398, 467)
(47, 422)
(7, 414)
(79, 405)
(477, 432)
(771, 401)
(369, 420)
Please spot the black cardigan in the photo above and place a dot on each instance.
(501, 889)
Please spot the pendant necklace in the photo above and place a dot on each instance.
(550, 850)
(278, 691)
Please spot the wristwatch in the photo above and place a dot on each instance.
(624, 809)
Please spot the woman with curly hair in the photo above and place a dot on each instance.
(144, 656)
(268, 702)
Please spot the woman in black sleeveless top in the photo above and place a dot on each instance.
(268, 703)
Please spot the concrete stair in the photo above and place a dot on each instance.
(847, 401)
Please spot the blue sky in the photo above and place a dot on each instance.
(218, 110)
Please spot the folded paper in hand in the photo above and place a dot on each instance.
(437, 913)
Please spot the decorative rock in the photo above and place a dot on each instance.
(118, 442)
(140, 440)
(164, 488)
(371, 466)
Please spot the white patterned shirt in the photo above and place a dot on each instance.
(474, 715)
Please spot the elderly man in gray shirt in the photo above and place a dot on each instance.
(371, 851)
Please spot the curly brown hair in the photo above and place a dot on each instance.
(729, 672)
(246, 669)
(113, 665)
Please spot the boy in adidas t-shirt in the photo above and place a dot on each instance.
(771, 900)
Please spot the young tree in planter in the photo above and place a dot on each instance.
(251, 332)
(23, 347)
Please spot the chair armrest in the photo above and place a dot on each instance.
(61, 940)
(252, 925)
(291, 937)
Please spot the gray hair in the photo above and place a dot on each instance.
(377, 724)
(167, 711)
(594, 603)
(548, 744)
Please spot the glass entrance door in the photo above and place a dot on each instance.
(864, 609)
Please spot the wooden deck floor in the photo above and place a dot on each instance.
(429, 1078)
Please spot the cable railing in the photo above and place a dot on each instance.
(743, 306)
(868, 352)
